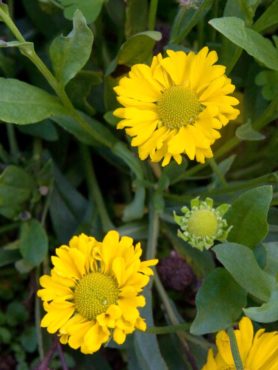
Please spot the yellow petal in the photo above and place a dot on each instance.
(95, 337)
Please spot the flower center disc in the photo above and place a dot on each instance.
(202, 223)
(178, 106)
(94, 294)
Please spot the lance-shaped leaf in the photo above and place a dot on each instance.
(23, 104)
(70, 53)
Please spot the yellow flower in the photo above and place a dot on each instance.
(259, 352)
(176, 106)
(93, 291)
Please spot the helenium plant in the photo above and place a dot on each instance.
(138, 185)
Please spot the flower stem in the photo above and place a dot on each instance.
(116, 146)
(12, 142)
(38, 321)
(153, 230)
(234, 348)
(173, 329)
(152, 14)
(169, 329)
(31, 54)
(62, 357)
(94, 190)
(217, 171)
(175, 321)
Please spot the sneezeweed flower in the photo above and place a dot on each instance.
(93, 291)
(176, 106)
(259, 352)
(201, 225)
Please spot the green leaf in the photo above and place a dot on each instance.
(135, 209)
(23, 104)
(70, 54)
(116, 11)
(16, 313)
(137, 230)
(23, 266)
(248, 215)
(267, 312)
(16, 187)
(240, 261)
(136, 17)
(219, 303)
(146, 345)
(44, 17)
(79, 88)
(71, 125)
(28, 339)
(269, 82)
(172, 174)
(186, 19)
(67, 208)
(246, 132)
(137, 49)
(97, 129)
(269, 18)
(8, 256)
(44, 130)
(90, 9)
(5, 335)
(271, 260)
(251, 41)
(33, 243)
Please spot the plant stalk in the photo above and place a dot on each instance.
(234, 348)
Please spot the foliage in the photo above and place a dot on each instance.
(65, 169)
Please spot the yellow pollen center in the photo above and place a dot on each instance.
(178, 106)
(94, 294)
(203, 223)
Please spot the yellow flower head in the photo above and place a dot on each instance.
(93, 291)
(176, 106)
(259, 352)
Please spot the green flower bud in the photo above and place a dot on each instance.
(201, 225)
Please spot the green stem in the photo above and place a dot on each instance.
(9, 227)
(113, 144)
(38, 321)
(94, 190)
(200, 27)
(5, 17)
(217, 171)
(47, 205)
(173, 329)
(234, 348)
(153, 230)
(214, 15)
(233, 60)
(31, 54)
(169, 329)
(12, 142)
(175, 321)
(152, 14)
(165, 300)
(4, 156)
(37, 149)
(269, 179)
